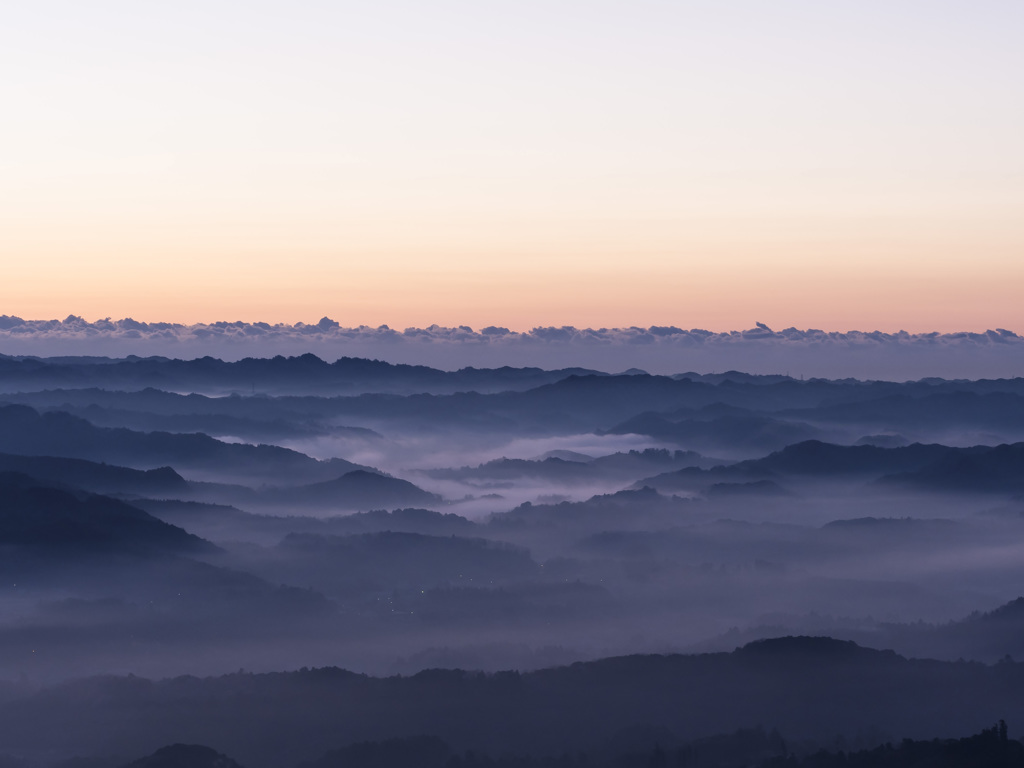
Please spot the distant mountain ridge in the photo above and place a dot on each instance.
(279, 374)
(810, 351)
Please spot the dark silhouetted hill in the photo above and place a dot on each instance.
(624, 510)
(912, 464)
(971, 470)
(96, 477)
(986, 636)
(813, 457)
(25, 431)
(991, 748)
(255, 417)
(37, 517)
(303, 374)
(806, 688)
(632, 462)
(184, 756)
(357, 489)
(955, 409)
(222, 522)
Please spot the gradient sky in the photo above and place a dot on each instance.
(830, 164)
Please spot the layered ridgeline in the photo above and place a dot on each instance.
(991, 747)
(793, 696)
(302, 374)
(162, 518)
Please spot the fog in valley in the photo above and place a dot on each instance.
(173, 532)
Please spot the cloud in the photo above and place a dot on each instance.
(658, 349)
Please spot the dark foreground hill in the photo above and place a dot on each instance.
(37, 518)
(807, 688)
(753, 747)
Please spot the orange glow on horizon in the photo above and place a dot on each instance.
(389, 168)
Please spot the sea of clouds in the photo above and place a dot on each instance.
(657, 349)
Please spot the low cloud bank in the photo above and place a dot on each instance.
(657, 349)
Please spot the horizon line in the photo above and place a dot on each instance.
(326, 325)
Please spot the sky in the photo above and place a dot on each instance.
(836, 165)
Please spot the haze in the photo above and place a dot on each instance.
(463, 384)
(334, 553)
